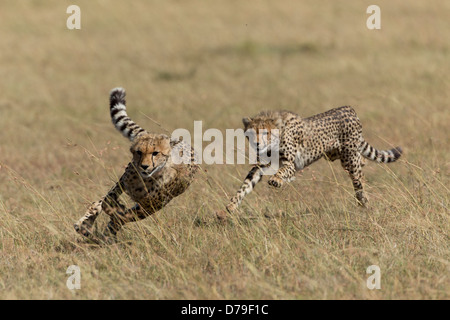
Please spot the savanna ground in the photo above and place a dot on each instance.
(219, 61)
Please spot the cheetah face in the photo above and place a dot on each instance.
(263, 135)
(150, 154)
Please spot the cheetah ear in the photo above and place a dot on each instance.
(246, 121)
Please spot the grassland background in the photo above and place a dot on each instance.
(218, 61)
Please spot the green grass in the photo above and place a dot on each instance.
(218, 62)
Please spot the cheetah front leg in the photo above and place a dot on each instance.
(110, 201)
(118, 219)
(285, 174)
(253, 177)
(85, 224)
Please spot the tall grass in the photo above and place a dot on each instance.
(218, 62)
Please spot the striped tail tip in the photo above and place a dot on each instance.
(388, 156)
(117, 96)
(119, 116)
(396, 153)
(382, 156)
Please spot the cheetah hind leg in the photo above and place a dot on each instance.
(85, 224)
(353, 166)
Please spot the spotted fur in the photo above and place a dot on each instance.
(152, 179)
(335, 134)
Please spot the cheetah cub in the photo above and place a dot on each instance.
(152, 179)
(335, 134)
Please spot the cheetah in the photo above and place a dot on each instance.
(334, 134)
(152, 178)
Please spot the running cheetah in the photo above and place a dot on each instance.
(334, 134)
(152, 179)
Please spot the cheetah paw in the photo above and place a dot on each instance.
(83, 229)
(363, 203)
(221, 215)
(231, 207)
(276, 182)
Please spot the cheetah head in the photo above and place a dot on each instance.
(262, 133)
(151, 153)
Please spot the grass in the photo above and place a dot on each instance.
(218, 62)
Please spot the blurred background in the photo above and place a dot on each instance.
(218, 61)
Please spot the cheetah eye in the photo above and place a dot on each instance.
(155, 153)
(139, 153)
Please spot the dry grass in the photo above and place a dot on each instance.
(218, 61)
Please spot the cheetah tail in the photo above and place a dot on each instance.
(384, 156)
(119, 116)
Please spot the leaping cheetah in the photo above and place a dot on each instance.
(152, 179)
(335, 134)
